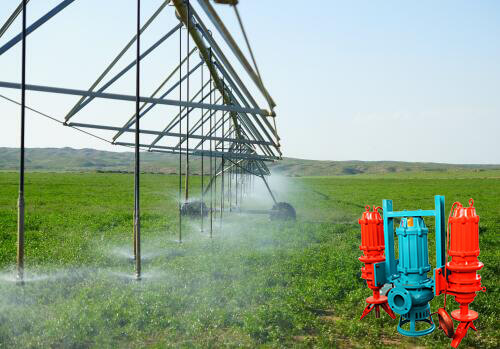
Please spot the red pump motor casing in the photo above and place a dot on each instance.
(373, 247)
(463, 281)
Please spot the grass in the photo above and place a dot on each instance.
(255, 284)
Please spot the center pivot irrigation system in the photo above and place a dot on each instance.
(220, 123)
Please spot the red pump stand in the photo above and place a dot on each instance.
(373, 247)
(466, 318)
(375, 302)
(460, 278)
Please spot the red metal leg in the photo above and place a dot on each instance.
(368, 308)
(388, 310)
(461, 332)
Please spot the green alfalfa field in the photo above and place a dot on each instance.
(256, 283)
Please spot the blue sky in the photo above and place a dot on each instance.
(364, 80)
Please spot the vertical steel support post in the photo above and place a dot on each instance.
(237, 170)
(247, 180)
(20, 202)
(137, 214)
(211, 154)
(180, 136)
(242, 183)
(202, 205)
(215, 168)
(390, 260)
(252, 183)
(223, 160)
(222, 193)
(230, 185)
(186, 198)
(440, 232)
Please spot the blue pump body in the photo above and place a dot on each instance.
(413, 288)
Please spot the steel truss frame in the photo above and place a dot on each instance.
(232, 126)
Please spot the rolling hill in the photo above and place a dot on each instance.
(91, 160)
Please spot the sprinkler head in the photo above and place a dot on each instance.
(20, 279)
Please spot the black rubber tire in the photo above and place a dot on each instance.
(283, 211)
(194, 209)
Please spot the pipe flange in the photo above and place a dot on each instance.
(399, 300)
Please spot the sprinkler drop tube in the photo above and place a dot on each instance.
(202, 205)
(137, 218)
(211, 157)
(229, 187)
(186, 197)
(222, 193)
(180, 135)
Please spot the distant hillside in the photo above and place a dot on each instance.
(69, 159)
(299, 167)
(91, 160)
